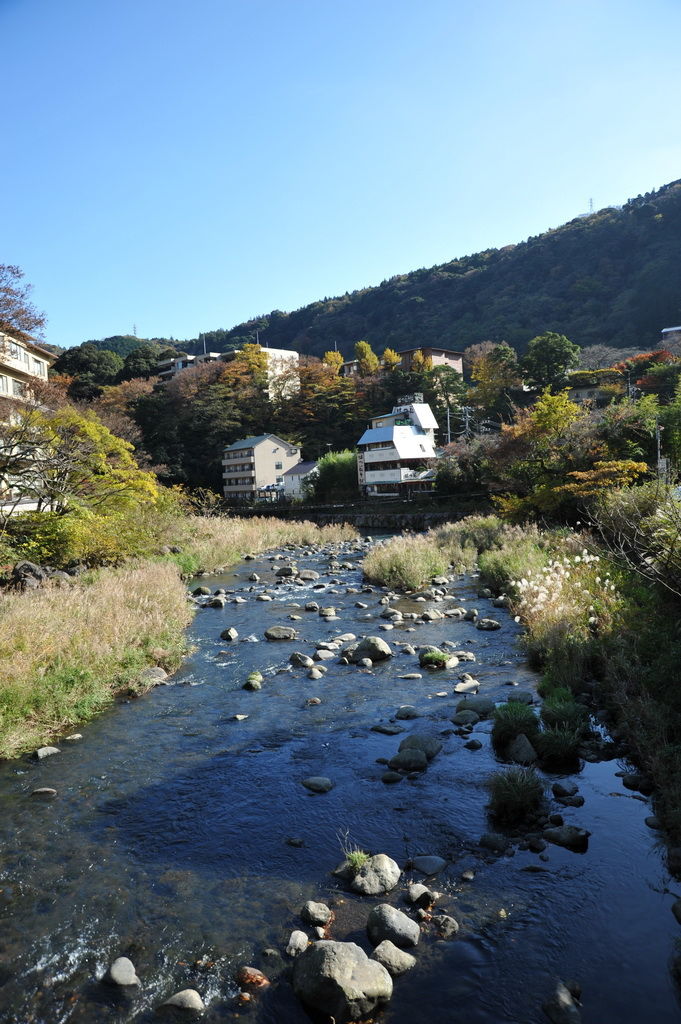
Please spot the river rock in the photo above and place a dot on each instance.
(217, 602)
(45, 791)
(201, 592)
(308, 575)
(301, 660)
(229, 634)
(315, 673)
(562, 1008)
(390, 778)
(264, 597)
(568, 836)
(386, 922)
(407, 712)
(286, 571)
(280, 633)
(564, 789)
(409, 761)
(473, 745)
(318, 784)
(323, 655)
(420, 895)
(521, 750)
(121, 972)
(429, 865)
(339, 979)
(311, 606)
(418, 741)
(254, 681)
(373, 647)
(43, 752)
(446, 925)
(487, 624)
(379, 874)
(251, 977)
(316, 913)
(387, 730)
(297, 943)
(466, 718)
(187, 999)
(394, 959)
(483, 706)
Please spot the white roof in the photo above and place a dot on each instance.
(408, 441)
(423, 415)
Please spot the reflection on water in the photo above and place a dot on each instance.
(167, 841)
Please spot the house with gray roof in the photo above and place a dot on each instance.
(254, 467)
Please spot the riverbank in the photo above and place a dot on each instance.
(68, 650)
(598, 634)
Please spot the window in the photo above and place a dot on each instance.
(17, 388)
(280, 480)
(278, 465)
(3, 385)
(38, 367)
(13, 350)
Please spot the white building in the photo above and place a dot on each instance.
(393, 453)
(296, 478)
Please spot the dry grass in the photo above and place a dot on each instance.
(65, 652)
(216, 541)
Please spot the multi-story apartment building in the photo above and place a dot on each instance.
(393, 452)
(253, 469)
(21, 363)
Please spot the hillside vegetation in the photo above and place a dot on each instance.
(611, 277)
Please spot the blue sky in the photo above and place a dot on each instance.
(182, 167)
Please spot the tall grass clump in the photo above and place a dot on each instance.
(558, 747)
(66, 652)
(515, 795)
(512, 719)
(405, 562)
(561, 712)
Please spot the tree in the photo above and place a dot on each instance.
(421, 362)
(141, 362)
(336, 478)
(367, 359)
(334, 360)
(495, 374)
(449, 389)
(91, 368)
(548, 358)
(18, 316)
(391, 360)
(64, 459)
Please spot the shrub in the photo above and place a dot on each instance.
(559, 712)
(405, 562)
(515, 794)
(558, 747)
(510, 720)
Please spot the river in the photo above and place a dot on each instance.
(167, 840)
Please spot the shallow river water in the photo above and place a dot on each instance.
(167, 841)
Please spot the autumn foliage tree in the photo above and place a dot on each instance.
(18, 316)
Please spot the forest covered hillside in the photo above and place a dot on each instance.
(611, 277)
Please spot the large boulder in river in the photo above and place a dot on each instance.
(569, 836)
(386, 922)
(280, 633)
(339, 980)
(377, 875)
(372, 647)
